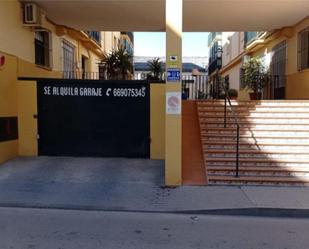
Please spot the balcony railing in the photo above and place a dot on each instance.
(251, 36)
(95, 35)
(214, 65)
(212, 36)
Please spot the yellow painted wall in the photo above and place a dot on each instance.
(27, 106)
(27, 124)
(233, 73)
(8, 150)
(293, 45)
(19, 98)
(27, 69)
(8, 87)
(173, 139)
(8, 103)
(157, 121)
(297, 86)
(297, 81)
(11, 23)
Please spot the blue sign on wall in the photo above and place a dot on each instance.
(173, 74)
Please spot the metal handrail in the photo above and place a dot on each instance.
(228, 99)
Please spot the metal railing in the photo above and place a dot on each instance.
(227, 99)
(94, 35)
(80, 75)
(195, 87)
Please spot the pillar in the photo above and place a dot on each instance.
(173, 131)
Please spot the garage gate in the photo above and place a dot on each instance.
(94, 118)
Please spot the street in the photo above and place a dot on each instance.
(22, 228)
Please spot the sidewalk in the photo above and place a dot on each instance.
(134, 185)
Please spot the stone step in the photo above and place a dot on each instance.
(256, 161)
(246, 180)
(261, 133)
(275, 148)
(250, 109)
(257, 120)
(255, 152)
(273, 156)
(256, 129)
(247, 125)
(274, 142)
(271, 115)
(257, 171)
(255, 140)
(261, 103)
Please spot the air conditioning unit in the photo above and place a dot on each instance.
(32, 15)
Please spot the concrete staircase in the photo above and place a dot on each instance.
(274, 142)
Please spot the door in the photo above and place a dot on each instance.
(94, 118)
(278, 71)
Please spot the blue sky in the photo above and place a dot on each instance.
(153, 44)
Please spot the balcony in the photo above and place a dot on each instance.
(94, 35)
(251, 36)
(214, 65)
(212, 36)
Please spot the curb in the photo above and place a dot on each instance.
(255, 211)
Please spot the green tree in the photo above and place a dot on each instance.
(117, 64)
(156, 69)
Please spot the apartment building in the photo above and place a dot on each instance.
(32, 46)
(127, 41)
(284, 52)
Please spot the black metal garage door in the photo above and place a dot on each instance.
(94, 118)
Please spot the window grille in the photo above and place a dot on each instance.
(303, 49)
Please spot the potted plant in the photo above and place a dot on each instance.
(255, 75)
(233, 93)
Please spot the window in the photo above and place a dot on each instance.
(42, 43)
(241, 78)
(115, 43)
(8, 128)
(68, 60)
(227, 82)
(303, 49)
(95, 35)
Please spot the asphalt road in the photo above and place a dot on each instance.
(22, 228)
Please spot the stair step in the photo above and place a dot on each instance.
(223, 151)
(273, 134)
(248, 109)
(256, 140)
(256, 160)
(273, 148)
(261, 103)
(258, 180)
(259, 121)
(275, 157)
(274, 141)
(270, 115)
(254, 126)
(259, 168)
(258, 171)
(267, 142)
(266, 128)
